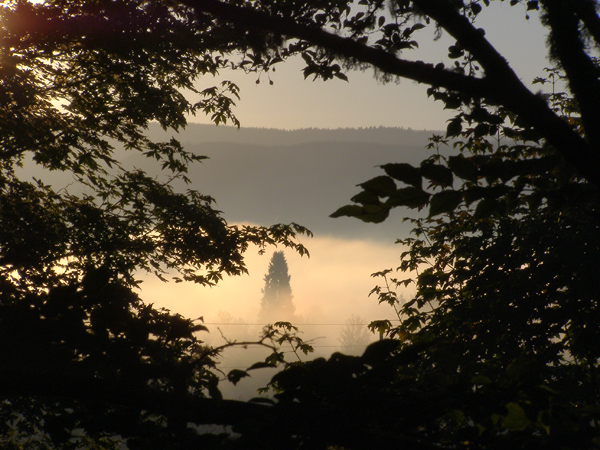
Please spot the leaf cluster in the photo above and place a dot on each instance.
(503, 266)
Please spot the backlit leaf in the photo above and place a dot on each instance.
(516, 419)
(404, 172)
(438, 174)
(444, 202)
(382, 186)
(410, 197)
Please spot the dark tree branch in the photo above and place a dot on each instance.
(470, 38)
(343, 47)
(586, 11)
(499, 86)
(566, 45)
(511, 93)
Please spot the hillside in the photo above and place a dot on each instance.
(271, 176)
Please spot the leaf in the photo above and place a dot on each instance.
(473, 194)
(463, 167)
(404, 172)
(481, 130)
(454, 127)
(486, 208)
(437, 173)
(366, 198)
(455, 51)
(236, 375)
(481, 380)
(444, 202)
(476, 8)
(518, 366)
(261, 365)
(493, 169)
(383, 186)
(366, 213)
(457, 416)
(374, 213)
(348, 211)
(410, 197)
(516, 419)
(380, 326)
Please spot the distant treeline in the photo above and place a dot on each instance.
(200, 133)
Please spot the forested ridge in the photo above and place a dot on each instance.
(200, 133)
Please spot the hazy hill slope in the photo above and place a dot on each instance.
(269, 176)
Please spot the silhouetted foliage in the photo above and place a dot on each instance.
(276, 303)
(504, 320)
(83, 359)
(497, 349)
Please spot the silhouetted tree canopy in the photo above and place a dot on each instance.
(82, 358)
(498, 348)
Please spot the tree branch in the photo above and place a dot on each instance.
(567, 46)
(470, 38)
(500, 86)
(344, 47)
(511, 93)
(586, 11)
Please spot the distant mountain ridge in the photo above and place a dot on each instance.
(196, 133)
(266, 176)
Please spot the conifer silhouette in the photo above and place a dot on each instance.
(276, 304)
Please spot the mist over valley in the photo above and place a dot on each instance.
(267, 176)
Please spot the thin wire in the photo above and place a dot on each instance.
(248, 346)
(296, 324)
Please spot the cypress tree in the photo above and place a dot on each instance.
(276, 304)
